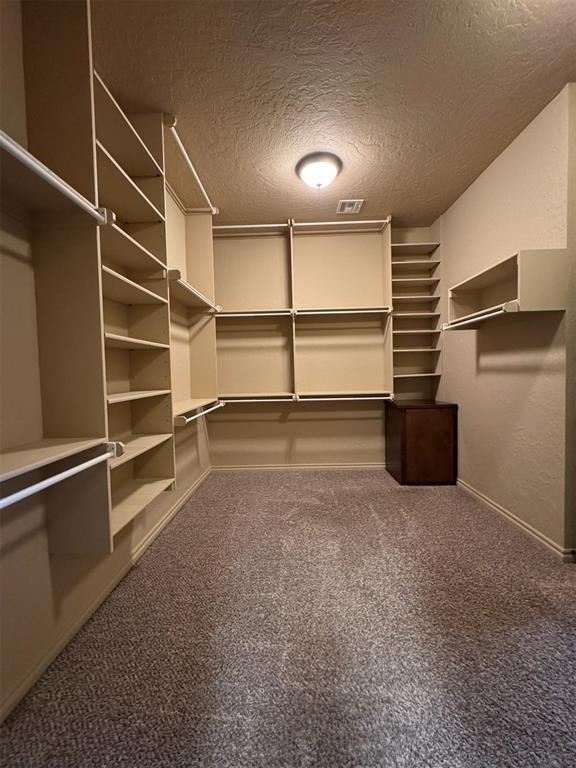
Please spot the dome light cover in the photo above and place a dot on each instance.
(319, 169)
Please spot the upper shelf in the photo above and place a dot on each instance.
(30, 186)
(119, 248)
(187, 294)
(116, 132)
(120, 193)
(413, 249)
(528, 281)
(118, 288)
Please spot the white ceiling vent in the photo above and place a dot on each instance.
(349, 206)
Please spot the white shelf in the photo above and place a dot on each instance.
(416, 375)
(118, 247)
(416, 249)
(30, 456)
(115, 341)
(399, 350)
(118, 192)
(186, 406)
(119, 288)
(136, 445)
(116, 132)
(186, 294)
(136, 394)
(132, 497)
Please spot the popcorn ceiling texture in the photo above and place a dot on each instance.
(416, 97)
(320, 620)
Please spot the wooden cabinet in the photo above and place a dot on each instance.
(422, 442)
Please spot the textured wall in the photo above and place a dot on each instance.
(509, 378)
(416, 97)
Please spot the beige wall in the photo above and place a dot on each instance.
(509, 378)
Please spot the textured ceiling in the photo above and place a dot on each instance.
(416, 96)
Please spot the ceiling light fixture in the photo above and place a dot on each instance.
(319, 169)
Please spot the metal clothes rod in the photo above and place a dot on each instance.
(250, 226)
(472, 320)
(262, 400)
(381, 310)
(304, 399)
(286, 313)
(192, 169)
(43, 484)
(41, 170)
(183, 421)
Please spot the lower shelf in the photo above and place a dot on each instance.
(25, 458)
(136, 445)
(132, 497)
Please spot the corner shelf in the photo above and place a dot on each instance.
(19, 459)
(528, 281)
(186, 294)
(125, 291)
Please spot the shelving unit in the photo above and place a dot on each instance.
(516, 284)
(417, 358)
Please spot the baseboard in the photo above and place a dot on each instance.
(74, 627)
(264, 467)
(565, 553)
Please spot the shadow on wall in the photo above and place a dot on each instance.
(521, 343)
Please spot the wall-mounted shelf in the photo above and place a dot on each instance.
(344, 311)
(120, 193)
(119, 248)
(115, 341)
(19, 459)
(136, 445)
(416, 375)
(118, 288)
(187, 406)
(116, 132)
(186, 294)
(136, 394)
(413, 249)
(528, 281)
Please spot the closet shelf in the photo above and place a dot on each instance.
(136, 445)
(118, 247)
(30, 456)
(186, 294)
(416, 314)
(398, 350)
(132, 497)
(121, 194)
(29, 185)
(186, 406)
(345, 311)
(418, 332)
(416, 263)
(135, 394)
(252, 395)
(119, 288)
(416, 249)
(115, 131)
(415, 280)
(257, 313)
(415, 297)
(115, 341)
(416, 375)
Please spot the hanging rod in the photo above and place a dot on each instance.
(264, 313)
(384, 222)
(171, 119)
(113, 450)
(363, 311)
(291, 399)
(182, 421)
(102, 215)
(306, 399)
(250, 226)
(511, 306)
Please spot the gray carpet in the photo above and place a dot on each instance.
(326, 619)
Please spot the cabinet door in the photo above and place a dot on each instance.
(430, 445)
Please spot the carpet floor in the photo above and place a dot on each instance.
(330, 619)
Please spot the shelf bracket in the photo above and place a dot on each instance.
(115, 449)
(108, 217)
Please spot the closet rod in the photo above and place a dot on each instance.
(188, 162)
(305, 399)
(279, 313)
(375, 310)
(472, 320)
(250, 226)
(101, 215)
(112, 452)
(262, 400)
(341, 223)
(182, 421)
